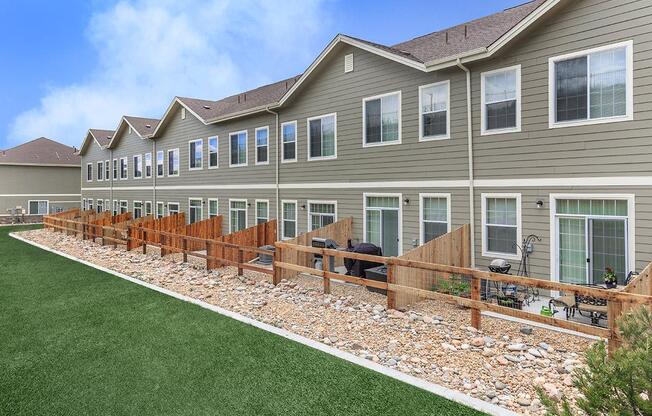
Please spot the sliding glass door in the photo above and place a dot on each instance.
(382, 223)
(608, 248)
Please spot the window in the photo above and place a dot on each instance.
(238, 148)
(434, 212)
(90, 204)
(434, 117)
(322, 137)
(138, 209)
(237, 214)
(289, 223)
(213, 208)
(289, 132)
(123, 168)
(159, 163)
(89, 172)
(262, 145)
(107, 170)
(100, 171)
(39, 207)
(213, 160)
(148, 165)
(124, 207)
(382, 119)
(173, 162)
(194, 210)
(592, 86)
(320, 214)
(100, 205)
(501, 100)
(196, 154)
(138, 166)
(148, 208)
(262, 211)
(501, 225)
(160, 209)
(115, 207)
(173, 208)
(115, 169)
(107, 205)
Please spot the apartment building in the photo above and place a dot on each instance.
(534, 120)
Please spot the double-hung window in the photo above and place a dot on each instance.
(107, 170)
(213, 160)
(262, 211)
(501, 100)
(100, 171)
(289, 133)
(195, 154)
(320, 214)
(160, 209)
(262, 145)
(89, 172)
(195, 210)
(501, 225)
(100, 205)
(322, 137)
(138, 166)
(115, 207)
(173, 208)
(434, 117)
(160, 162)
(289, 223)
(238, 148)
(123, 168)
(138, 209)
(435, 216)
(148, 208)
(173, 162)
(115, 169)
(237, 215)
(213, 208)
(90, 204)
(592, 86)
(382, 119)
(124, 207)
(148, 165)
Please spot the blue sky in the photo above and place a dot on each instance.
(71, 65)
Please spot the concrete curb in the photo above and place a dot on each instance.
(441, 391)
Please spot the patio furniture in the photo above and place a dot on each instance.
(591, 307)
(566, 302)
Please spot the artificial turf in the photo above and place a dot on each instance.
(75, 340)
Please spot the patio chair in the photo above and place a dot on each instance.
(591, 307)
(566, 302)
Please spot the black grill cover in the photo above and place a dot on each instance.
(357, 267)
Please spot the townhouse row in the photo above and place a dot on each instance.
(532, 121)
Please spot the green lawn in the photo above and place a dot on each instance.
(74, 340)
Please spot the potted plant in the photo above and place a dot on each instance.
(610, 279)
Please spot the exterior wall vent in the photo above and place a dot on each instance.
(348, 63)
(183, 113)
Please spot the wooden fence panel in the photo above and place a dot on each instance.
(255, 236)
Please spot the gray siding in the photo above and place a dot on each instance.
(94, 153)
(129, 145)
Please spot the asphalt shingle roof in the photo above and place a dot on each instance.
(143, 126)
(40, 151)
(103, 137)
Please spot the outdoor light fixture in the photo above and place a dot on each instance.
(539, 204)
(406, 201)
(303, 207)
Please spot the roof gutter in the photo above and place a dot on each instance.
(277, 168)
(259, 109)
(469, 128)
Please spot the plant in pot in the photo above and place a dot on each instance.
(610, 278)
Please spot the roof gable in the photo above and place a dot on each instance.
(41, 151)
(101, 137)
(143, 127)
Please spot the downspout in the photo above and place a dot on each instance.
(111, 181)
(469, 127)
(278, 156)
(153, 167)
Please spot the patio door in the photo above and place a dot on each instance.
(383, 223)
(608, 245)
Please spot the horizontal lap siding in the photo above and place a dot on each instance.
(94, 153)
(130, 145)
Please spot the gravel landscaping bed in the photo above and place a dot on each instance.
(503, 363)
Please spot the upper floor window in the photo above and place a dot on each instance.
(289, 133)
(382, 119)
(89, 172)
(501, 100)
(262, 145)
(148, 165)
(138, 166)
(213, 160)
(123, 168)
(173, 162)
(107, 170)
(100, 171)
(115, 169)
(196, 154)
(501, 225)
(238, 147)
(159, 163)
(592, 86)
(434, 117)
(322, 137)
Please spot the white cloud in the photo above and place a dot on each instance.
(148, 51)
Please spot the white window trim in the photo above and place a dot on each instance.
(91, 176)
(483, 111)
(142, 210)
(256, 130)
(116, 172)
(151, 167)
(217, 151)
(201, 160)
(296, 134)
(99, 204)
(142, 173)
(256, 208)
(162, 152)
(126, 160)
(246, 163)
(208, 207)
(552, 108)
(315, 201)
(174, 203)
(89, 201)
(83, 204)
(47, 206)
(120, 206)
(423, 138)
(168, 162)
(400, 216)
(107, 164)
(246, 211)
(100, 168)
(364, 118)
(310, 159)
(201, 208)
(107, 205)
(424, 195)
(162, 204)
(519, 228)
(631, 227)
(115, 207)
(296, 218)
(151, 208)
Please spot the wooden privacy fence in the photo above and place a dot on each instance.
(340, 231)
(257, 236)
(140, 235)
(202, 230)
(49, 221)
(91, 225)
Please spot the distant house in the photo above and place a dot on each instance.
(36, 178)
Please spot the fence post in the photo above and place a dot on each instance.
(240, 261)
(130, 234)
(475, 295)
(184, 245)
(614, 310)
(391, 279)
(278, 257)
(162, 239)
(325, 266)
(209, 256)
(144, 241)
